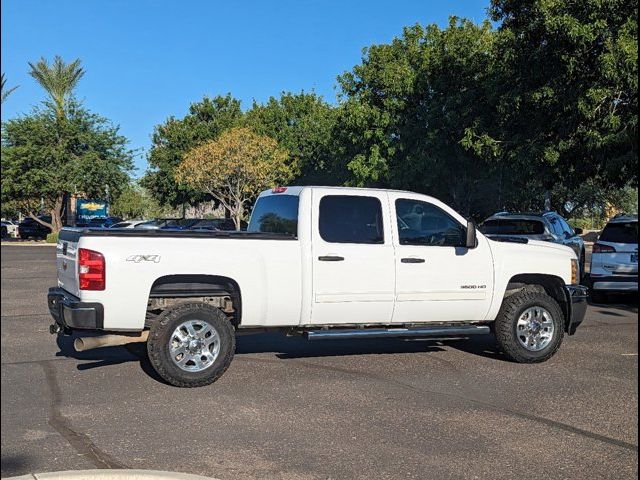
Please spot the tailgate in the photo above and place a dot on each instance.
(66, 253)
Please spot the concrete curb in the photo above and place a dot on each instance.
(27, 244)
(111, 475)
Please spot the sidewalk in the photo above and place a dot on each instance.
(26, 243)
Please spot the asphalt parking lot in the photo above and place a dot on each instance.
(288, 409)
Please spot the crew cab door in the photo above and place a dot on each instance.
(352, 258)
(438, 279)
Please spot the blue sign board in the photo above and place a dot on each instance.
(89, 209)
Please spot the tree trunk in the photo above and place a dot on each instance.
(56, 215)
(237, 218)
(32, 215)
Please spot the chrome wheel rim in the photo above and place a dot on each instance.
(535, 329)
(194, 345)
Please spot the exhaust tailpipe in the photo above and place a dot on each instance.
(88, 343)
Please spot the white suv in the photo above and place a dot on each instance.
(614, 265)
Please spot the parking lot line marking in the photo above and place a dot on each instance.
(629, 354)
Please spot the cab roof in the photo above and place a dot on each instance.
(296, 190)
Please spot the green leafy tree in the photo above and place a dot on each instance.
(135, 202)
(171, 141)
(235, 167)
(484, 118)
(44, 160)
(58, 79)
(416, 113)
(568, 102)
(303, 124)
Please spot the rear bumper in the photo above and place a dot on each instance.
(70, 313)
(577, 301)
(616, 283)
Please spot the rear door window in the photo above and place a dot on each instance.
(275, 214)
(623, 232)
(512, 227)
(351, 219)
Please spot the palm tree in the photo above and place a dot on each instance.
(5, 93)
(58, 80)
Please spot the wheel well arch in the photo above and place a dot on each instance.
(199, 285)
(552, 285)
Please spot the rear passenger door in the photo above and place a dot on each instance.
(352, 258)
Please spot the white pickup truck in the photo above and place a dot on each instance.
(322, 262)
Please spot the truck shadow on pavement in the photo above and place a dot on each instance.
(620, 301)
(107, 356)
(285, 348)
(14, 465)
(297, 347)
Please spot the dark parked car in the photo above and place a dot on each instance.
(101, 222)
(150, 224)
(165, 223)
(548, 227)
(106, 222)
(217, 224)
(179, 223)
(29, 228)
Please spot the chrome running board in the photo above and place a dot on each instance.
(436, 331)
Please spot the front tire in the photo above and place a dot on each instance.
(191, 344)
(529, 327)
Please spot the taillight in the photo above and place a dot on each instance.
(600, 248)
(279, 190)
(91, 270)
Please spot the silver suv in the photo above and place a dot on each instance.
(614, 265)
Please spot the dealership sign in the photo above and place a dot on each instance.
(88, 209)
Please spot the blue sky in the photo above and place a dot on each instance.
(147, 60)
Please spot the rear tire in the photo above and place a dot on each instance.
(525, 308)
(172, 359)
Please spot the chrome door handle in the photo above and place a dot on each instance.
(412, 260)
(330, 258)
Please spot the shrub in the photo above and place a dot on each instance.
(52, 238)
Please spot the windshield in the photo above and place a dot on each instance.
(512, 227)
(623, 232)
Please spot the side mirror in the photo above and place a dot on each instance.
(472, 237)
(578, 230)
